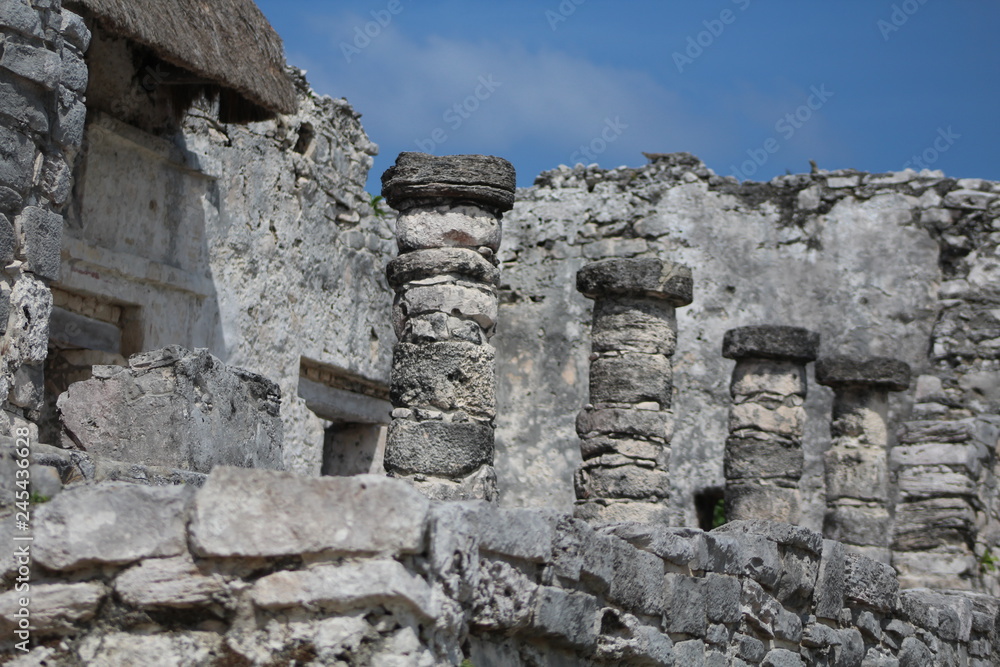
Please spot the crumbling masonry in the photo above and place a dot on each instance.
(188, 355)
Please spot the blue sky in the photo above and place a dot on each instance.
(753, 88)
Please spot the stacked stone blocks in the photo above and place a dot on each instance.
(446, 278)
(437, 583)
(856, 465)
(626, 429)
(940, 470)
(42, 82)
(763, 456)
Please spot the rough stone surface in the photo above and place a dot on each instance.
(176, 408)
(479, 178)
(112, 523)
(447, 449)
(301, 514)
(892, 374)
(650, 277)
(771, 342)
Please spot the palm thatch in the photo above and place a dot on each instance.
(228, 43)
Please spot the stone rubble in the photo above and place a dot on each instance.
(440, 582)
(443, 381)
(626, 428)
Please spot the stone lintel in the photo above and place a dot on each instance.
(771, 342)
(647, 276)
(483, 179)
(876, 372)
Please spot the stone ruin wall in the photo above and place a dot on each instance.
(900, 265)
(442, 583)
(41, 130)
(256, 242)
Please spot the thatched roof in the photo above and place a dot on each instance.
(227, 42)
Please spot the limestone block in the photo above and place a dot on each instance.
(690, 652)
(518, 533)
(41, 241)
(425, 227)
(632, 642)
(829, 590)
(445, 376)
(167, 582)
(73, 71)
(632, 378)
(749, 648)
(305, 515)
(74, 30)
(608, 511)
(433, 262)
(631, 324)
(345, 587)
(484, 179)
(780, 657)
(449, 449)
(646, 450)
(758, 608)
(7, 246)
(863, 525)
(914, 653)
(156, 650)
(626, 481)
(19, 16)
(758, 501)
(179, 409)
(686, 610)
(926, 431)
(870, 583)
(479, 485)
(753, 376)
(112, 523)
(931, 481)
(860, 473)
(784, 534)
(637, 581)
(568, 618)
(875, 372)
(18, 152)
(784, 420)
(948, 616)
(648, 276)
(722, 598)
(746, 555)
(656, 539)
(504, 598)
(626, 422)
(55, 608)
(751, 458)
(771, 342)
(925, 524)
(478, 304)
(453, 547)
(970, 457)
(35, 64)
(68, 131)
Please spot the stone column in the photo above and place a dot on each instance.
(443, 368)
(856, 465)
(625, 431)
(763, 459)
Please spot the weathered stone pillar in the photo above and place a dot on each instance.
(763, 459)
(625, 431)
(857, 471)
(443, 369)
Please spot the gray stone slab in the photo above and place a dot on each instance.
(432, 262)
(870, 583)
(76, 330)
(568, 618)
(878, 372)
(648, 276)
(481, 178)
(637, 580)
(771, 342)
(519, 533)
(112, 523)
(753, 458)
(655, 539)
(296, 515)
(686, 609)
(448, 449)
(41, 232)
(634, 324)
(632, 378)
